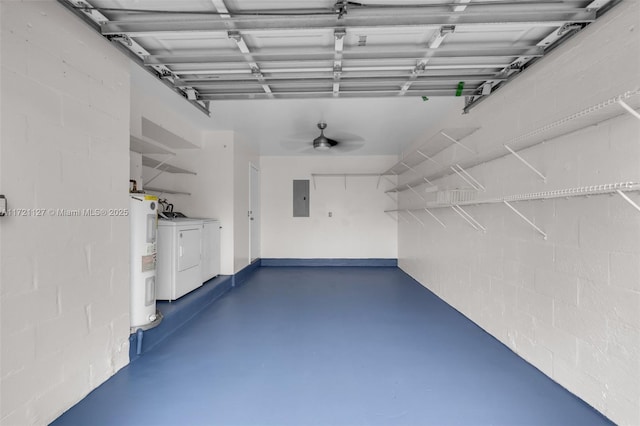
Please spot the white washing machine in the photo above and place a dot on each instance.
(179, 257)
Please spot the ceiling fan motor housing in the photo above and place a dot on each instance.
(322, 143)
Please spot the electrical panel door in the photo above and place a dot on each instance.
(301, 198)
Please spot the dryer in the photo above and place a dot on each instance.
(210, 249)
(179, 257)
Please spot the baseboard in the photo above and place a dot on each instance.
(179, 312)
(243, 275)
(330, 262)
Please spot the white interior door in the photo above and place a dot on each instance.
(254, 213)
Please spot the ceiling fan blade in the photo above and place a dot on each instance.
(344, 136)
(348, 146)
(333, 142)
(293, 145)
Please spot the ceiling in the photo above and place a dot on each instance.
(352, 64)
(287, 127)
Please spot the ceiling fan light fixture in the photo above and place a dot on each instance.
(321, 143)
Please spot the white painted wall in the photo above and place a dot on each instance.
(243, 156)
(135, 168)
(153, 100)
(211, 189)
(220, 190)
(359, 227)
(569, 305)
(65, 144)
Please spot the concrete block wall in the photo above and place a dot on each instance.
(64, 279)
(570, 304)
(154, 101)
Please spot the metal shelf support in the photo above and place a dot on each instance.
(416, 192)
(396, 218)
(435, 217)
(468, 218)
(544, 235)
(427, 157)
(409, 167)
(157, 167)
(630, 110)
(458, 142)
(416, 218)
(612, 188)
(526, 163)
(581, 119)
(402, 217)
(468, 178)
(628, 200)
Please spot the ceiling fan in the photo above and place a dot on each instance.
(323, 143)
(344, 142)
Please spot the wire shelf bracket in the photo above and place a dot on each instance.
(157, 167)
(457, 142)
(416, 192)
(397, 216)
(408, 167)
(589, 116)
(523, 217)
(435, 217)
(526, 163)
(389, 194)
(380, 177)
(416, 218)
(630, 110)
(427, 157)
(464, 175)
(619, 188)
(403, 218)
(628, 200)
(468, 218)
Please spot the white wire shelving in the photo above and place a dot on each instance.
(627, 102)
(165, 191)
(619, 188)
(148, 147)
(342, 175)
(616, 106)
(435, 144)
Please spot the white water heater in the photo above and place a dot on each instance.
(143, 216)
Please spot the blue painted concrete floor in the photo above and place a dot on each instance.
(330, 346)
